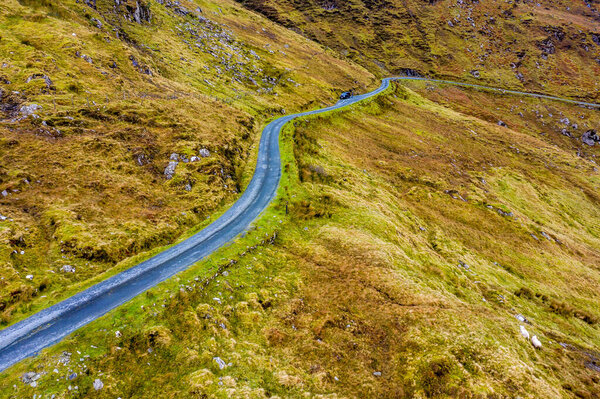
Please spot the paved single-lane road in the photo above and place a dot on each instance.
(29, 336)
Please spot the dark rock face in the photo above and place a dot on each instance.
(590, 138)
(178, 8)
(9, 103)
(547, 46)
(141, 13)
(411, 73)
(136, 11)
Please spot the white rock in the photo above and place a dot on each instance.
(204, 153)
(67, 269)
(170, 169)
(29, 277)
(536, 342)
(524, 332)
(27, 110)
(98, 385)
(220, 362)
(118, 334)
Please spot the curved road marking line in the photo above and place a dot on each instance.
(48, 326)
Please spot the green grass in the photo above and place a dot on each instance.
(86, 178)
(363, 274)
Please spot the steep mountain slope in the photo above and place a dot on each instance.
(126, 123)
(547, 45)
(412, 236)
(411, 239)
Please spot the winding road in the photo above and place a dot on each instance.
(29, 336)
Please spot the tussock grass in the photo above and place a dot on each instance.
(86, 178)
(380, 280)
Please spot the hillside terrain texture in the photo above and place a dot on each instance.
(431, 242)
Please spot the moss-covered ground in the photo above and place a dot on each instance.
(408, 235)
(120, 92)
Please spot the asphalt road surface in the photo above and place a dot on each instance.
(29, 336)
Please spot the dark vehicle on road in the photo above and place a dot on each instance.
(346, 95)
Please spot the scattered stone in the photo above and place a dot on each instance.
(97, 22)
(501, 123)
(67, 269)
(204, 153)
(174, 157)
(4, 193)
(590, 138)
(145, 69)
(72, 376)
(29, 276)
(536, 342)
(30, 378)
(220, 362)
(47, 80)
(27, 110)
(170, 169)
(98, 385)
(475, 73)
(377, 373)
(524, 332)
(65, 358)
(546, 236)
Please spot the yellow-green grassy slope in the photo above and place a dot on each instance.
(546, 45)
(84, 181)
(409, 234)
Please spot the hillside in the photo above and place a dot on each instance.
(410, 240)
(412, 236)
(548, 45)
(125, 125)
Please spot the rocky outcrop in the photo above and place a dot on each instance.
(590, 138)
(137, 11)
(47, 80)
(170, 169)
